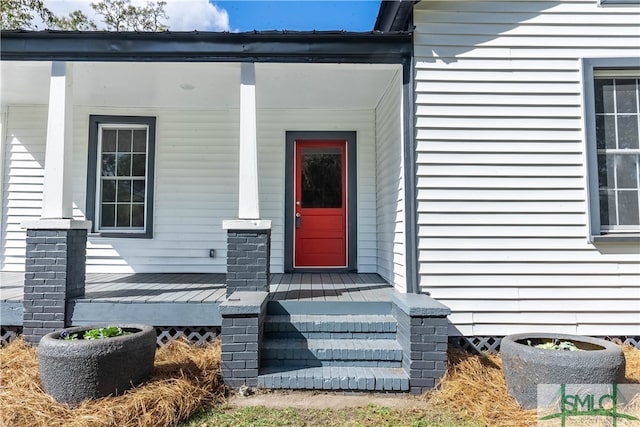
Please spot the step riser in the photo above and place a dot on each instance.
(315, 363)
(328, 308)
(331, 335)
(333, 354)
(361, 379)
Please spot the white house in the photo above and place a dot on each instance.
(484, 152)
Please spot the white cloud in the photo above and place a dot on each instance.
(187, 15)
(184, 15)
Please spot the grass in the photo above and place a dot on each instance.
(371, 415)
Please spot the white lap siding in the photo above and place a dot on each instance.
(195, 187)
(502, 210)
(23, 168)
(390, 186)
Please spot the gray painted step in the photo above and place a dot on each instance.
(335, 378)
(332, 352)
(332, 326)
(328, 307)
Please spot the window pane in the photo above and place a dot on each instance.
(606, 131)
(137, 215)
(604, 96)
(108, 165)
(627, 131)
(138, 191)
(139, 164)
(626, 171)
(108, 140)
(321, 178)
(124, 164)
(626, 101)
(108, 190)
(628, 206)
(607, 208)
(123, 218)
(124, 140)
(606, 171)
(140, 141)
(108, 215)
(124, 191)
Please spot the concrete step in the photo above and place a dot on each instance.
(332, 352)
(334, 378)
(309, 326)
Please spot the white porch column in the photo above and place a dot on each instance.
(56, 198)
(248, 202)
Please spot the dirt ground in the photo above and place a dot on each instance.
(324, 400)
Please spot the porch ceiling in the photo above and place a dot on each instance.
(202, 85)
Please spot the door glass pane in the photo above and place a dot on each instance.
(321, 170)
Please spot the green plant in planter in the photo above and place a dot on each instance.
(555, 345)
(95, 333)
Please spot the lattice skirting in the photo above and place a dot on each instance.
(9, 333)
(492, 344)
(198, 335)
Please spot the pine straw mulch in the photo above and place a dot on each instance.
(185, 378)
(474, 387)
(188, 377)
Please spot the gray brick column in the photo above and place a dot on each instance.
(242, 328)
(248, 255)
(423, 336)
(54, 273)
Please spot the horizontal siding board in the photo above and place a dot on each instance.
(390, 187)
(500, 167)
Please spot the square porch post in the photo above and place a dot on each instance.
(56, 243)
(248, 237)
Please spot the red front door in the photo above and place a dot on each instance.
(320, 204)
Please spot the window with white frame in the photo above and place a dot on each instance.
(618, 151)
(120, 183)
(612, 118)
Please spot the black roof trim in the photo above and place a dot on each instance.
(395, 15)
(255, 46)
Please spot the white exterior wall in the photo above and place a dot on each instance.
(26, 132)
(196, 184)
(390, 186)
(502, 209)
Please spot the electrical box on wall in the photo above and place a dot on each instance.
(212, 253)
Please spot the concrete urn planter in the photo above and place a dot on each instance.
(75, 370)
(524, 366)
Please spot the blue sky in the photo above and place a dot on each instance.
(246, 15)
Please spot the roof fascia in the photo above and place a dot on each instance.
(394, 15)
(307, 47)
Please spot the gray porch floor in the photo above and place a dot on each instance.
(210, 288)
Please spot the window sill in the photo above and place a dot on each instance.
(617, 238)
(122, 235)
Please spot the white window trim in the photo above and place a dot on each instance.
(591, 68)
(98, 189)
